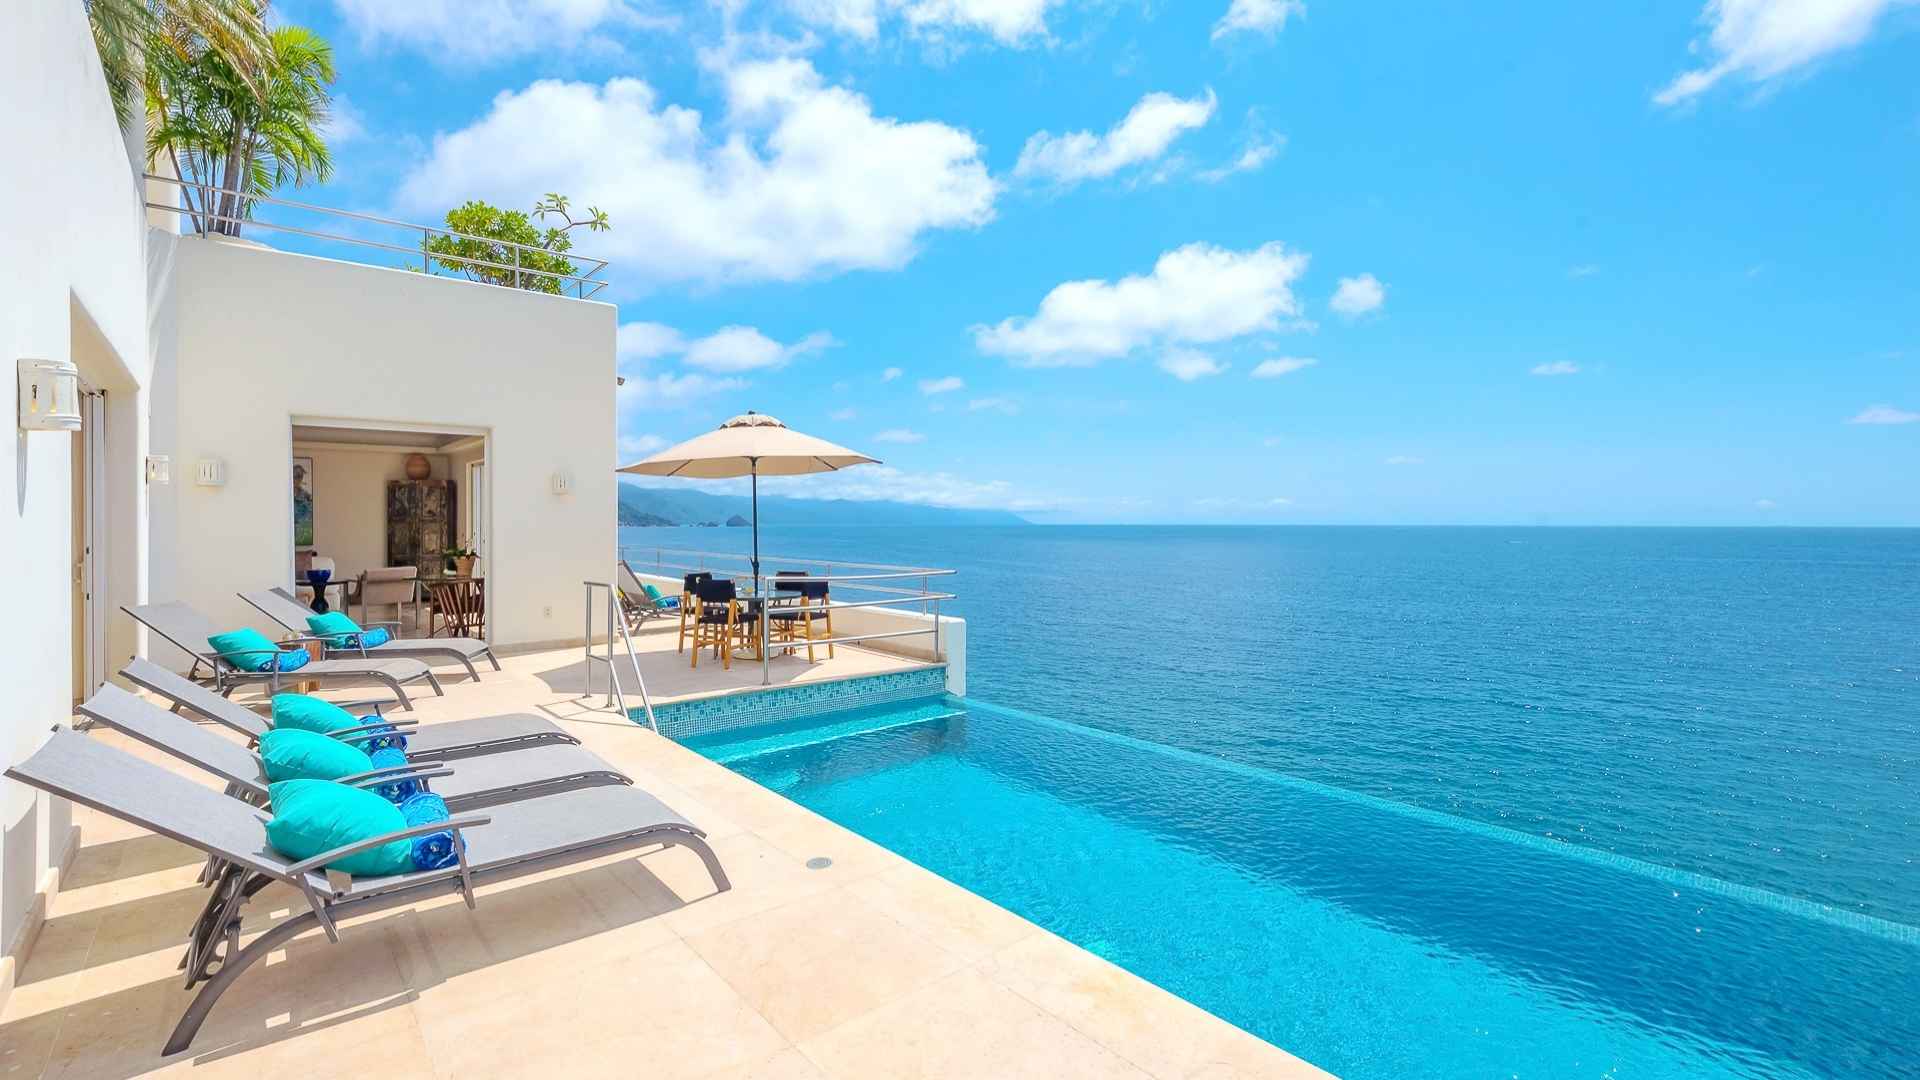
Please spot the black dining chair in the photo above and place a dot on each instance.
(689, 592)
(793, 617)
(725, 621)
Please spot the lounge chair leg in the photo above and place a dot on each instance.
(400, 692)
(491, 659)
(434, 682)
(700, 847)
(203, 1002)
(471, 672)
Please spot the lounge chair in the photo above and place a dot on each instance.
(636, 603)
(190, 630)
(505, 843)
(479, 781)
(280, 606)
(443, 741)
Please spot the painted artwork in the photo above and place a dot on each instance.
(302, 502)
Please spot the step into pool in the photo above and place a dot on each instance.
(1374, 939)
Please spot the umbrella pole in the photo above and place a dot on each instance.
(760, 596)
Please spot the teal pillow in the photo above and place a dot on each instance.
(652, 593)
(340, 631)
(312, 816)
(243, 649)
(311, 714)
(293, 754)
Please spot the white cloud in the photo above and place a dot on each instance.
(1196, 295)
(1257, 17)
(843, 414)
(743, 348)
(667, 390)
(1007, 406)
(798, 179)
(485, 30)
(899, 435)
(642, 341)
(1188, 365)
(1764, 40)
(1555, 367)
(639, 446)
(1010, 22)
(1261, 147)
(1404, 459)
(1358, 295)
(1582, 270)
(891, 374)
(1282, 365)
(1885, 414)
(345, 123)
(1279, 502)
(1144, 134)
(1765, 504)
(945, 385)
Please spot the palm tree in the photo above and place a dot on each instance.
(233, 142)
(125, 32)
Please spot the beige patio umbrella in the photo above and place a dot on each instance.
(752, 445)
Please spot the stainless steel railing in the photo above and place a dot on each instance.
(879, 578)
(584, 284)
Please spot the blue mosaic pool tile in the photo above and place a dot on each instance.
(703, 716)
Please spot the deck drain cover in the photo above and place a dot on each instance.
(819, 862)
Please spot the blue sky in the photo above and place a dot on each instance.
(1218, 260)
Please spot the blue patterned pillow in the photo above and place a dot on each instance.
(374, 740)
(376, 637)
(293, 661)
(434, 851)
(398, 792)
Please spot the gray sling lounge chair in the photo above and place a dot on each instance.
(479, 781)
(636, 604)
(280, 606)
(451, 739)
(190, 630)
(506, 843)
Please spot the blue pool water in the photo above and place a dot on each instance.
(1433, 802)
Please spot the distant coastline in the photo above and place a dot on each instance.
(650, 507)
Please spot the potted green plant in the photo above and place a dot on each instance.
(460, 559)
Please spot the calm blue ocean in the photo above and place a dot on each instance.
(1742, 704)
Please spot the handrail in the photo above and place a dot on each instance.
(767, 588)
(586, 284)
(614, 624)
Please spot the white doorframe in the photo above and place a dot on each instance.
(93, 577)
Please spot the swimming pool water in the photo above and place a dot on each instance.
(1373, 938)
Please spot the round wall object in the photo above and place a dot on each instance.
(418, 467)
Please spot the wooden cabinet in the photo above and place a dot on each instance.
(420, 524)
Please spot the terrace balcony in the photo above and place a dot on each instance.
(829, 957)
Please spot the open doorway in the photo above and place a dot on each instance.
(391, 516)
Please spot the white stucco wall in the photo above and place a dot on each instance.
(72, 287)
(255, 338)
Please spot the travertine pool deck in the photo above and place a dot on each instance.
(867, 966)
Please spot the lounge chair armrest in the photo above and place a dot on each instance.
(255, 652)
(305, 866)
(378, 727)
(393, 774)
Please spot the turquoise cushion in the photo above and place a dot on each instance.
(294, 660)
(311, 714)
(315, 816)
(376, 637)
(247, 649)
(652, 592)
(324, 717)
(340, 631)
(293, 754)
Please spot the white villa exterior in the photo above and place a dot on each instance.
(199, 351)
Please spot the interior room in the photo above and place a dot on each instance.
(396, 520)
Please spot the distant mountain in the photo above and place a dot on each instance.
(669, 506)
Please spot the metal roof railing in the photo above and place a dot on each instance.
(347, 227)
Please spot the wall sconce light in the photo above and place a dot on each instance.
(159, 469)
(562, 484)
(210, 472)
(49, 395)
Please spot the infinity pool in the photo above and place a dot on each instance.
(1373, 939)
